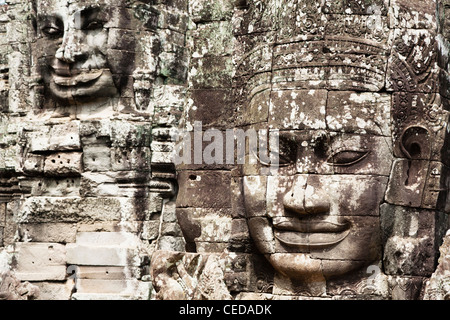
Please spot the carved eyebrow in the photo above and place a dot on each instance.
(93, 12)
(90, 12)
(49, 17)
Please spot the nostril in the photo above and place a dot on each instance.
(294, 203)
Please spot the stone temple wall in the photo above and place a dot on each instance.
(122, 122)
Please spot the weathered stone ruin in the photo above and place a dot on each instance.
(224, 150)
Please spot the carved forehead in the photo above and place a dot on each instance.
(337, 111)
(68, 7)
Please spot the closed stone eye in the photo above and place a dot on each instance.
(52, 31)
(288, 152)
(93, 25)
(347, 157)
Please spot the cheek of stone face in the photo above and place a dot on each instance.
(352, 195)
(255, 191)
(96, 45)
(262, 234)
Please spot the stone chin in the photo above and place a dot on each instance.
(301, 266)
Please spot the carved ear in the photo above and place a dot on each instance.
(415, 143)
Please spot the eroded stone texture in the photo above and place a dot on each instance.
(12, 288)
(188, 276)
(89, 93)
(437, 287)
(355, 93)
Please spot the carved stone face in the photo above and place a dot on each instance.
(318, 214)
(74, 42)
(360, 127)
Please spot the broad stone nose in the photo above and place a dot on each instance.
(71, 49)
(316, 197)
(308, 197)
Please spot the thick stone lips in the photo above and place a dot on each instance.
(83, 77)
(310, 234)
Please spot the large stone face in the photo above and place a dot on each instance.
(197, 149)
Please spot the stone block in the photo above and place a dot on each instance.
(97, 256)
(150, 230)
(121, 39)
(407, 182)
(220, 31)
(65, 137)
(56, 187)
(216, 229)
(38, 141)
(64, 164)
(254, 191)
(204, 189)
(171, 229)
(2, 214)
(122, 239)
(74, 209)
(33, 164)
(411, 237)
(434, 196)
(101, 272)
(40, 261)
(211, 107)
(96, 158)
(128, 288)
(298, 109)
(256, 110)
(205, 11)
(124, 159)
(208, 247)
(170, 243)
(260, 228)
(51, 291)
(211, 72)
(365, 113)
(48, 232)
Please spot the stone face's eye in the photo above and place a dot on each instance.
(93, 25)
(347, 157)
(52, 31)
(287, 153)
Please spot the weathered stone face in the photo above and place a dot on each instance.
(96, 113)
(353, 92)
(76, 48)
(350, 138)
(323, 202)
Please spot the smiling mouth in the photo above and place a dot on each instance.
(310, 234)
(80, 78)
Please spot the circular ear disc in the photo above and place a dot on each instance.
(415, 143)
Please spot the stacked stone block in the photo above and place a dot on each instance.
(94, 206)
(89, 196)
